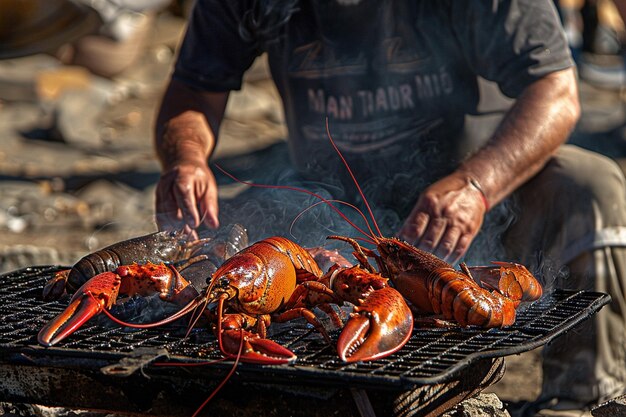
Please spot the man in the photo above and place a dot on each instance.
(397, 80)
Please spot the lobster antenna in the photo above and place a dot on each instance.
(191, 306)
(334, 201)
(197, 313)
(190, 364)
(200, 305)
(367, 205)
(302, 190)
(230, 374)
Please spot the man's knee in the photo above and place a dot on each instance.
(570, 206)
(575, 174)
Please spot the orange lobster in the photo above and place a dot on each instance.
(433, 286)
(276, 279)
(381, 322)
(99, 278)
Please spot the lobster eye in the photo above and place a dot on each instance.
(223, 282)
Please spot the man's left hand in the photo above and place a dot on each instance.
(446, 218)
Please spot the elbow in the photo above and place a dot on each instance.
(568, 93)
(572, 104)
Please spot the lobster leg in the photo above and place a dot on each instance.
(306, 293)
(308, 315)
(101, 292)
(55, 287)
(255, 348)
(232, 334)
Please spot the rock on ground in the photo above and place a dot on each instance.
(487, 405)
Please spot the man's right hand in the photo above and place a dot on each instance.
(186, 131)
(186, 197)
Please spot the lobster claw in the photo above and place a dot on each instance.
(255, 349)
(379, 326)
(99, 292)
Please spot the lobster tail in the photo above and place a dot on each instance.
(455, 295)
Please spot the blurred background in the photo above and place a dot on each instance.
(80, 83)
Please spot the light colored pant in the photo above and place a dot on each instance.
(569, 227)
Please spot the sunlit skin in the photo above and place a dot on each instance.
(186, 132)
(449, 213)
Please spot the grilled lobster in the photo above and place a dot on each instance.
(381, 323)
(166, 247)
(102, 291)
(433, 286)
(100, 277)
(276, 279)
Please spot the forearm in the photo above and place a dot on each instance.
(540, 121)
(185, 136)
(187, 125)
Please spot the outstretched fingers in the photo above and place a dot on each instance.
(186, 198)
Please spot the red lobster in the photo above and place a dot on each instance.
(144, 265)
(381, 323)
(102, 291)
(432, 285)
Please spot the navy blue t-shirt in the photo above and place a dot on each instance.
(395, 78)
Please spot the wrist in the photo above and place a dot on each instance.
(184, 140)
(476, 185)
(185, 154)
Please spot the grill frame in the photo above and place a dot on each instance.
(431, 356)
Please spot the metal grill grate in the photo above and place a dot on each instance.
(431, 355)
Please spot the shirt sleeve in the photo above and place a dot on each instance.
(215, 52)
(512, 43)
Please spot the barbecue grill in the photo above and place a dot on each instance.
(106, 367)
